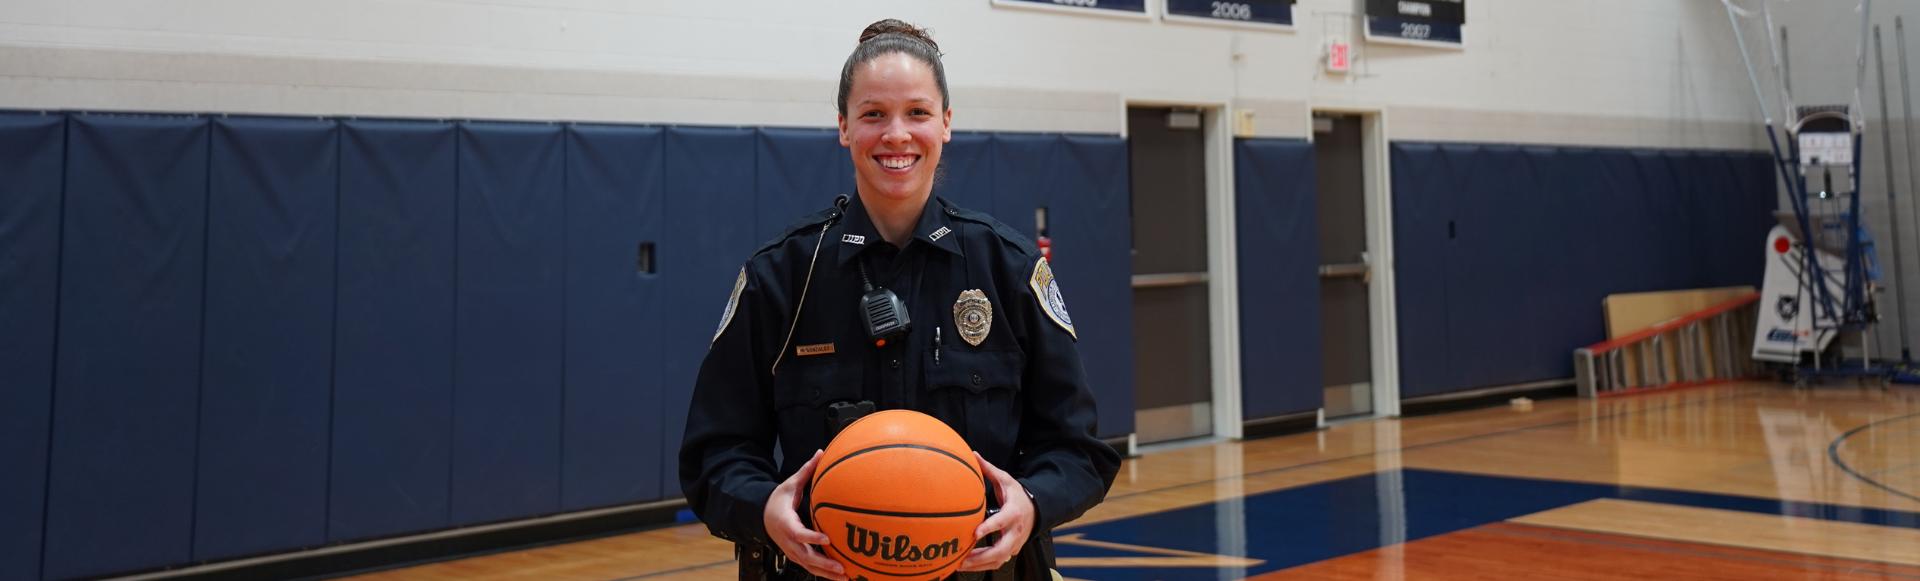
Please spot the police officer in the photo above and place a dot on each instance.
(899, 298)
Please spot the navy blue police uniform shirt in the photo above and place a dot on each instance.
(1019, 397)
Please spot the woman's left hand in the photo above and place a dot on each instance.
(1014, 522)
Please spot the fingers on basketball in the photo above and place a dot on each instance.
(897, 493)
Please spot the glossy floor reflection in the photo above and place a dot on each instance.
(1307, 524)
(1741, 481)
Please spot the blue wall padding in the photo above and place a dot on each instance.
(1024, 171)
(1541, 235)
(127, 379)
(966, 172)
(1278, 237)
(612, 452)
(1422, 210)
(1083, 182)
(798, 172)
(393, 348)
(1088, 221)
(31, 154)
(1718, 187)
(709, 231)
(1499, 267)
(267, 379)
(268, 334)
(508, 340)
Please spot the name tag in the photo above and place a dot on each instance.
(821, 349)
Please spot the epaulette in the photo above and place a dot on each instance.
(809, 224)
(1006, 232)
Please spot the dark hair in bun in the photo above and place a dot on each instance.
(887, 37)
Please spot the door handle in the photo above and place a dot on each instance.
(1168, 279)
(1359, 269)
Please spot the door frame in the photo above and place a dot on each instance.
(1223, 283)
(1383, 318)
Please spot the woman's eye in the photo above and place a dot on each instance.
(871, 114)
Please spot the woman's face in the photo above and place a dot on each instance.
(894, 126)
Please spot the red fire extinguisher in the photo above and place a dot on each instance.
(1040, 233)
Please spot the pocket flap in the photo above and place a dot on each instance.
(976, 370)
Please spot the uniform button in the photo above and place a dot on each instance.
(952, 212)
(816, 394)
(976, 380)
(896, 364)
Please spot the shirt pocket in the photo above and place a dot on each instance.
(978, 392)
(801, 393)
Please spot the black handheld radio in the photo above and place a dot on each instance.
(883, 312)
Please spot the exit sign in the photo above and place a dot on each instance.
(1339, 56)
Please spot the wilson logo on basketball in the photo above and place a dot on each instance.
(897, 548)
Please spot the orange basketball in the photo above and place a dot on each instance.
(899, 493)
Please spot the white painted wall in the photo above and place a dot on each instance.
(1603, 72)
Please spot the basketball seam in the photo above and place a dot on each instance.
(815, 509)
(960, 555)
(842, 507)
(823, 472)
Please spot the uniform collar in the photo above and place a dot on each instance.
(934, 229)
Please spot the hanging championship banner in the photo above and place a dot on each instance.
(1123, 8)
(1417, 22)
(1267, 13)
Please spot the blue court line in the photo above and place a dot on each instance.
(1876, 436)
(1894, 468)
(1833, 452)
(1307, 524)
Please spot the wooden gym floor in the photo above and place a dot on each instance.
(1739, 481)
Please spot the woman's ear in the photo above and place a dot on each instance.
(946, 126)
(843, 131)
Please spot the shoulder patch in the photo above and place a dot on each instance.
(1047, 290)
(733, 303)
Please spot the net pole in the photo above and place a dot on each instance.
(1780, 64)
(1751, 77)
(1886, 144)
(1854, 302)
(1860, 63)
(1906, 103)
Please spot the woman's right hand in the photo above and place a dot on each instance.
(782, 518)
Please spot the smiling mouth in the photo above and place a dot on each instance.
(897, 162)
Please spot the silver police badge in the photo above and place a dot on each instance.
(973, 314)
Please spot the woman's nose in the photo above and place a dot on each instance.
(896, 133)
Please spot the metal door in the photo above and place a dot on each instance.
(1345, 335)
(1172, 374)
